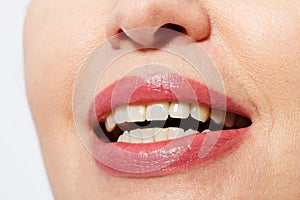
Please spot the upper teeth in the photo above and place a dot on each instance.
(179, 110)
(161, 111)
(200, 113)
(157, 111)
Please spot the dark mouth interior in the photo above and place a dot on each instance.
(185, 124)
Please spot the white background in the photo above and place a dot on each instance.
(22, 174)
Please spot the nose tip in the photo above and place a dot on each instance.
(142, 20)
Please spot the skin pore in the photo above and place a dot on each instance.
(255, 45)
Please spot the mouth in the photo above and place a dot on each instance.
(161, 124)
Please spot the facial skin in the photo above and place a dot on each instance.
(255, 45)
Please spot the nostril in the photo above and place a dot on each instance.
(162, 36)
(174, 27)
(149, 36)
(119, 31)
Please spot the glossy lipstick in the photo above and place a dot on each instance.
(161, 158)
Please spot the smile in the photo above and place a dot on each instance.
(172, 123)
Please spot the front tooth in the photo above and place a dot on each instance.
(230, 119)
(190, 132)
(218, 116)
(147, 135)
(135, 136)
(241, 122)
(136, 113)
(110, 123)
(160, 134)
(206, 131)
(199, 112)
(157, 111)
(175, 133)
(121, 115)
(179, 110)
(124, 138)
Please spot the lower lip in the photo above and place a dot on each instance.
(166, 157)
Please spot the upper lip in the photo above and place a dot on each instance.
(161, 88)
(132, 159)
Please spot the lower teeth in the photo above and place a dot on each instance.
(150, 135)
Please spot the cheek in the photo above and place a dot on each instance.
(57, 41)
(264, 38)
(259, 32)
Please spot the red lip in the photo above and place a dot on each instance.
(156, 159)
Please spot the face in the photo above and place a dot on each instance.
(255, 48)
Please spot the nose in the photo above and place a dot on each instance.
(184, 16)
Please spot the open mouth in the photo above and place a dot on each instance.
(163, 121)
(152, 128)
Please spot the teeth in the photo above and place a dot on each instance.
(129, 114)
(110, 123)
(175, 133)
(190, 132)
(121, 138)
(125, 137)
(136, 136)
(158, 111)
(147, 135)
(121, 115)
(200, 113)
(136, 113)
(217, 116)
(241, 122)
(161, 111)
(229, 120)
(160, 134)
(179, 110)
